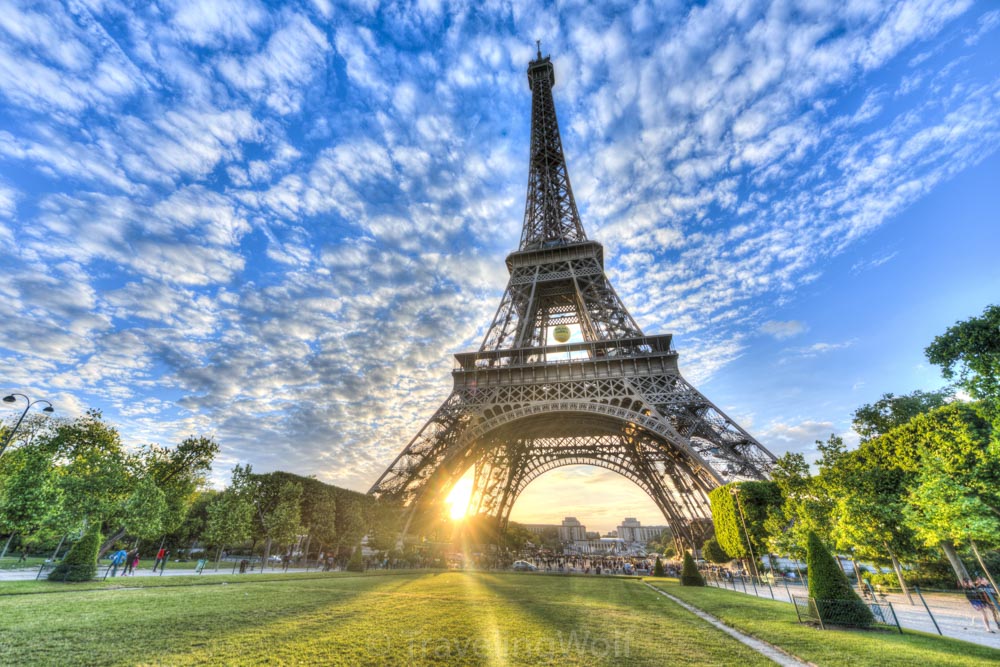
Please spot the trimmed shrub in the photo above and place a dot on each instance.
(355, 564)
(658, 568)
(80, 563)
(713, 552)
(690, 576)
(836, 601)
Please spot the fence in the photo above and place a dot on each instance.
(846, 613)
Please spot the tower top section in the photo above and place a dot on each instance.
(550, 215)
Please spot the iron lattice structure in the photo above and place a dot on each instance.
(524, 404)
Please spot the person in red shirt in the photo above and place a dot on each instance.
(161, 556)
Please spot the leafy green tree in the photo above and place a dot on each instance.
(145, 511)
(805, 503)
(229, 522)
(516, 536)
(355, 563)
(713, 552)
(276, 504)
(878, 418)
(658, 568)
(971, 350)
(350, 522)
(179, 473)
(690, 576)
(94, 475)
(742, 511)
(869, 505)
(28, 494)
(828, 585)
(940, 507)
(80, 563)
(384, 524)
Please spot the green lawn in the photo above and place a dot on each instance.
(775, 622)
(419, 618)
(426, 618)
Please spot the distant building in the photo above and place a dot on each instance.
(572, 530)
(632, 531)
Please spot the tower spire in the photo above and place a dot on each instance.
(550, 214)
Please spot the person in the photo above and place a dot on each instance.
(133, 562)
(977, 598)
(161, 557)
(990, 596)
(129, 563)
(117, 560)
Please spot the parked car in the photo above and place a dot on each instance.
(523, 566)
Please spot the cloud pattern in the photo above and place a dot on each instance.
(276, 223)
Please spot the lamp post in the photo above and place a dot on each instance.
(12, 398)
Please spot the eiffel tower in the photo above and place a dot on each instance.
(532, 399)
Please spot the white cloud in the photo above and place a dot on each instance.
(782, 330)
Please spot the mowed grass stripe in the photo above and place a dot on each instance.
(458, 618)
(776, 623)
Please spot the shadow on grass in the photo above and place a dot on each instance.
(158, 625)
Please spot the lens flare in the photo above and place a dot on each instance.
(459, 497)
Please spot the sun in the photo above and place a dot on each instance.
(459, 497)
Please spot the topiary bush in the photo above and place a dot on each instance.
(80, 563)
(355, 564)
(658, 568)
(836, 601)
(690, 576)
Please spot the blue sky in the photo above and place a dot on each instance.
(275, 224)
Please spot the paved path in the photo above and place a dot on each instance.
(954, 615)
(29, 574)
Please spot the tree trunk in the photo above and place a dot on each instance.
(58, 547)
(306, 549)
(218, 557)
(7, 546)
(108, 543)
(857, 575)
(267, 554)
(956, 563)
(899, 575)
(986, 571)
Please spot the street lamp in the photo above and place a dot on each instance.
(12, 398)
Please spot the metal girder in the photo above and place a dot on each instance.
(521, 407)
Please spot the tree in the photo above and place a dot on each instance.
(516, 536)
(742, 511)
(869, 504)
(28, 494)
(94, 475)
(713, 553)
(885, 414)
(828, 586)
(805, 503)
(350, 522)
(971, 350)
(80, 563)
(658, 568)
(276, 506)
(229, 522)
(690, 576)
(384, 519)
(940, 507)
(145, 511)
